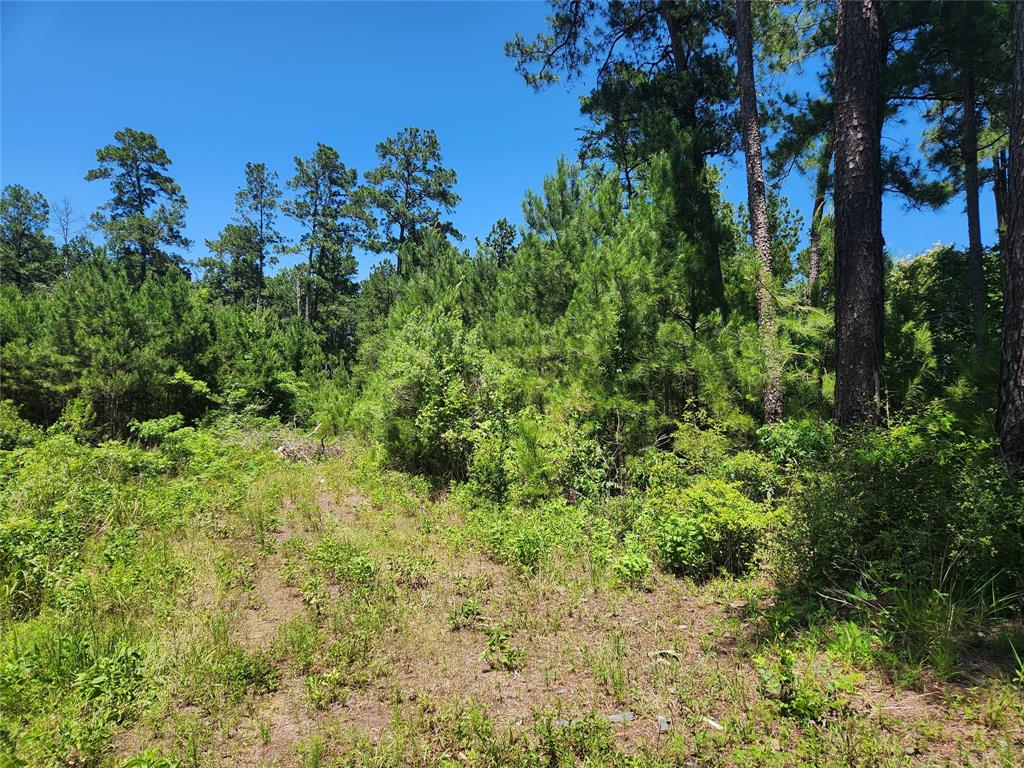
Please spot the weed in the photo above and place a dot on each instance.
(500, 654)
(249, 673)
(312, 751)
(633, 569)
(325, 689)
(800, 696)
(469, 615)
(608, 665)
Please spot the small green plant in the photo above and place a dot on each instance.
(112, 683)
(1018, 672)
(500, 654)
(250, 672)
(633, 568)
(608, 664)
(800, 696)
(311, 752)
(151, 758)
(466, 616)
(344, 562)
(325, 689)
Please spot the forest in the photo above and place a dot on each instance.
(649, 479)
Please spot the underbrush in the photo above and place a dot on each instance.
(94, 560)
(840, 555)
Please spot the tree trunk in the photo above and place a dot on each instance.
(259, 286)
(309, 281)
(999, 182)
(820, 189)
(858, 213)
(1010, 420)
(969, 150)
(758, 204)
(687, 114)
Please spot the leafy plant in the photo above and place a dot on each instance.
(500, 653)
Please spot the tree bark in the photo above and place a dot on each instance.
(1010, 419)
(999, 182)
(309, 280)
(969, 150)
(820, 189)
(758, 204)
(858, 213)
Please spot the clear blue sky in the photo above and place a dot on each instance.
(220, 84)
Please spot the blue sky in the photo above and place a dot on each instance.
(220, 84)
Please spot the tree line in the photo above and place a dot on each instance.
(674, 88)
(953, 57)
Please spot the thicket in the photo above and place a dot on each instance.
(558, 380)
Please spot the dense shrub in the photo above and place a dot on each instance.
(904, 499)
(15, 432)
(701, 529)
(425, 399)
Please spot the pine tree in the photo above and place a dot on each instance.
(661, 76)
(28, 257)
(1010, 419)
(329, 208)
(146, 214)
(858, 213)
(410, 191)
(758, 205)
(256, 206)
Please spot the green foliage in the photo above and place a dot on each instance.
(633, 567)
(500, 653)
(901, 501)
(410, 190)
(425, 398)
(801, 695)
(344, 562)
(704, 528)
(28, 257)
(146, 212)
(15, 432)
(249, 672)
(468, 615)
(155, 430)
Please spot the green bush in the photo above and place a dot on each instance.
(15, 432)
(633, 567)
(551, 457)
(154, 431)
(903, 499)
(704, 528)
(756, 476)
(423, 401)
(797, 444)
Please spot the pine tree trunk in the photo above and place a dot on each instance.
(686, 113)
(969, 149)
(999, 182)
(820, 188)
(1010, 421)
(758, 204)
(309, 282)
(259, 283)
(858, 213)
